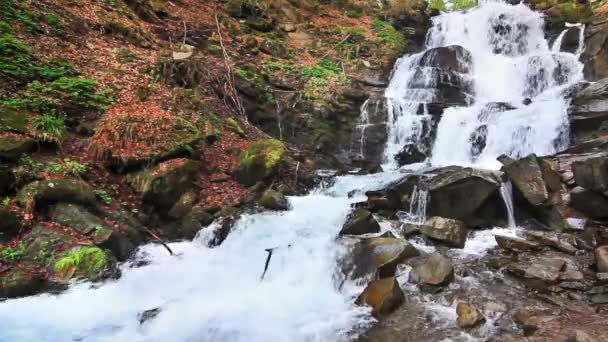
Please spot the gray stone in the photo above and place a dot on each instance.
(534, 179)
(360, 222)
(515, 244)
(432, 270)
(589, 203)
(601, 259)
(451, 232)
(592, 173)
(274, 200)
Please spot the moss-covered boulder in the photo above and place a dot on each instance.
(274, 200)
(13, 121)
(162, 186)
(45, 192)
(19, 283)
(42, 243)
(196, 219)
(259, 161)
(91, 263)
(13, 145)
(76, 218)
(136, 135)
(10, 224)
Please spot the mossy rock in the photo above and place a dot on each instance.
(193, 222)
(163, 185)
(259, 161)
(44, 192)
(41, 244)
(12, 146)
(83, 262)
(10, 224)
(18, 283)
(77, 218)
(7, 179)
(13, 121)
(274, 200)
(234, 126)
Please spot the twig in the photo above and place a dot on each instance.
(185, 34)
(339, 43)
(159, 240)
(230, 75)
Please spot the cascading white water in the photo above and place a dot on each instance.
(510, 62)
(506, 192)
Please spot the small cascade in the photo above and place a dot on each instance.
(419, 201)
(506, 192)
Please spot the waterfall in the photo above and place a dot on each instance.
(503, 88)
(419, 201)
(506, 192)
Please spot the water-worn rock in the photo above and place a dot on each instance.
(562, 242)
(41, 244)
(274, 200)
(461, 193)
(409, 154)
(360, 222)
(196, 219)
(432, 270)
(533, 177)
(184, 205)
(384, 296)
(162, 186)
(589, 111)
(10, 224)
(49, 191)
(451, 232)
(468, 316)
(515, 244)
(259, 161)
(377, 201)
(19, 283)
(389, 252)
(592, 173)
(588, 202)
(540, 272)
(455, 58)
(601, 259)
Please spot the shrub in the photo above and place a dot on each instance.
(49, 127)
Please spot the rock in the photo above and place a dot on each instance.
(589, 203)
(147, 315)
(478, 140)
(384, 296)
(592, 173)
(19, 283)
(76, 218)
(377, 201)
(581, 336)
(515, 244)
(461, 193)
(595, 56)
(45, 192)
(454, 58)
(360, 222)
(562, 242)
(410, 154)
(84, 262)
(534, 179)
(10, 224)
(13, 121)
(196, 219)
(599, 299)
(388, 252)
(448, 231)
(183, 206)
(602, 277)
(12, 145)
(274, 48)
(259, 161)
(601, 259)
(162, 186)
(432, 270)
(42, 243)
(274, 200)
(540, 272)
(468, 316)
(7, 179)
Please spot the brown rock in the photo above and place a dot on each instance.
(601, 259)
(451, 232)
(433, 270)
(468, 316)
(383, 295)
(515, 244)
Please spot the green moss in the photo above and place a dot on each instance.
(18, 11)
(81, 262)
(259, 161)
(9, 254)
(234, 126)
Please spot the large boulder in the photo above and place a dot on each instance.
(592, 173)
(41, 244)
(19, 283)
(532, 177)
(10, 224)
(13, 145)
(360, 222)
(162, 186)
(454, 58)
(388, 252)
(448, 231)
(259, 161)
(45, 192)
(463, 193)
(590, 203)
(384, 296)
(90, 263)
(538, 272)
(410, 153)
(274, 200)
(434, 270)
(13, 121)
(589, 111)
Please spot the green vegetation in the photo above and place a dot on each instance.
(18, 11)
(6, 201)
(388, 34)
(67, 168)
(49, 127)
(234, 126)
(104, 196)
(259, 161)
(354, 14)
(84, 262)
(455, 5)
(9, 254)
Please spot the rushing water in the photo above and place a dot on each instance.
(216, 294)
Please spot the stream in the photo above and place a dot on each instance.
(216, 294)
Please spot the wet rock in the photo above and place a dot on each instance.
(601, 259)
(410, 154)
(468, 316)
(595, 54)
(540, 272)
(562, 242)
(387, 200)
(162, 186)
(532, 177)
(433, 270)
(589, 203)
(49, 191)
(183, 206)
(592, 173)
(515, 244)
(478, 140)
(221, 230)
(360, 222)
(388, 252)
(259, 161)
(10, 224)
(455, 58)
(274, 200)
(384, 296)
(448, 231)
(147, 315)
(196, 219)
(19, 283)
(461, 193)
